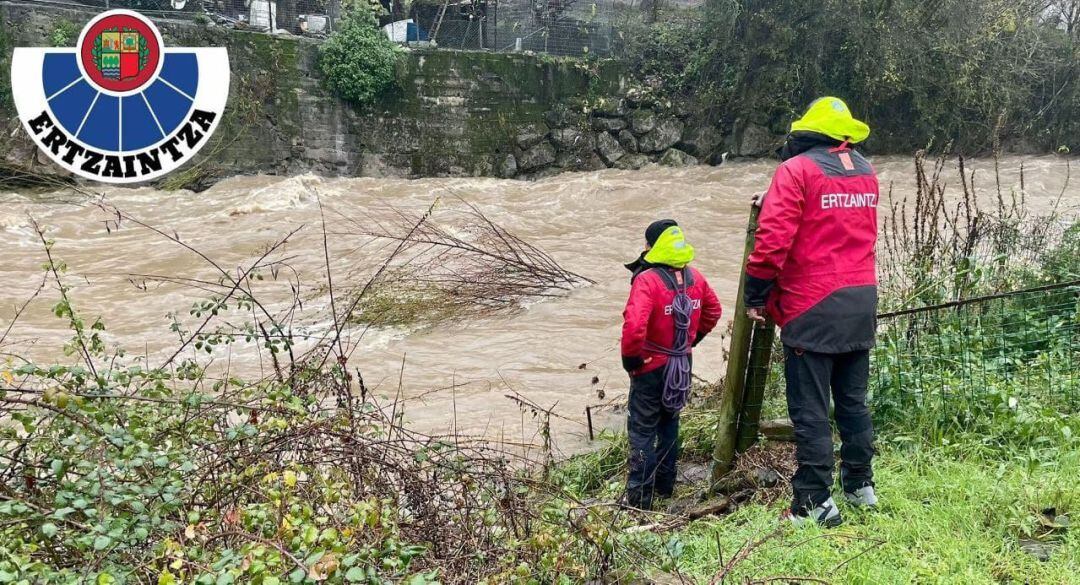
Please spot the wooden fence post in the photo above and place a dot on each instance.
(734, 381)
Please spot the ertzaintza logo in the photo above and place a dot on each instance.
(120, 107)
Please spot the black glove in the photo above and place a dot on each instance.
(700, 335)
(631, 363)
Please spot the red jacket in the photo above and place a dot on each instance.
(813, 262)
(648, 315)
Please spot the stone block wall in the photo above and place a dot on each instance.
(615, 133)
(453, 113)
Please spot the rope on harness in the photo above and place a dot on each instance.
(677, 369)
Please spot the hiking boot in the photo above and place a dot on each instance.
(825, 514)
(634, 500)
(863, 497)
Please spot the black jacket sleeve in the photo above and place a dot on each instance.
(697, 339)
(756, 292)
(632, 362)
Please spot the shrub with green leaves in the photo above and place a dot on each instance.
(64, 34)
(119, 472)
(358, 61)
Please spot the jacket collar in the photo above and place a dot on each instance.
(641, 265)
(638, 266)
(800, 142)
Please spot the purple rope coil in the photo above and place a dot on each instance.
(677, 369)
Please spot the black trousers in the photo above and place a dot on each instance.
(653, 432)
(810, 377)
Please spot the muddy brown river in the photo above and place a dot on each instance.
(590, 222)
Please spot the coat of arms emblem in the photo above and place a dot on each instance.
(120, 53)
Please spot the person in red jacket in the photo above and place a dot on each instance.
(670, 310)
(813, 271)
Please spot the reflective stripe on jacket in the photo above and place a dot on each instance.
(813, 263)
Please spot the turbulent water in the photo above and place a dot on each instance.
(591, 223)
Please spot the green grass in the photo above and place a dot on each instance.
(963, 482)
(945, 518)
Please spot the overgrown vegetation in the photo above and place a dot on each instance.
(964, 234)
(1000, 371)
(358, 62)
(163, 469)
(916, 71)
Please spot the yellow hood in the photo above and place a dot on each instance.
(671, 249)
(830, 116)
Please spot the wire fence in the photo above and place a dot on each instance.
(953, 361)
(959, 366)
(557, 27)
(299, 17)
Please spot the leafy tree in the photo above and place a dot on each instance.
(966, 71)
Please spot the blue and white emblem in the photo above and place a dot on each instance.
(120, 107)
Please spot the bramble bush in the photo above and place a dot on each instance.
(119, 472)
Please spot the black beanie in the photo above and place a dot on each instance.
(652, 233)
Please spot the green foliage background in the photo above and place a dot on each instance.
(6, 102)
(358, 61)
(915, 70)
(64, 34)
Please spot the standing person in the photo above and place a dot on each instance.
(813, 271)
(670, 310)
